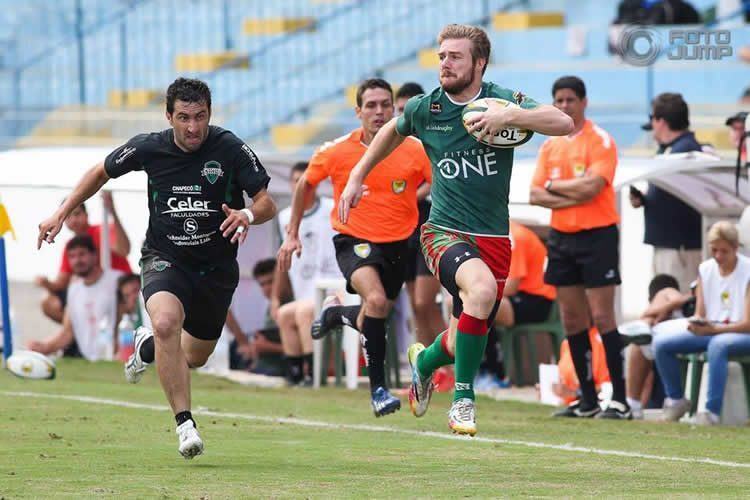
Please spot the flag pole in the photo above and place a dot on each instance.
(7, 337)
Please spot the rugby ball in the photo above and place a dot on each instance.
(510, 137)
(30, 364)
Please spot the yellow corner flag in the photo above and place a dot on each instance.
(5, 224)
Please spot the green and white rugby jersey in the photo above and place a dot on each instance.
(470, 180)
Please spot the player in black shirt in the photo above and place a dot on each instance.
(197, 216)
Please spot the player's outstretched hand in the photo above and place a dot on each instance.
(235, 225)
(48, 229)
(492, 121)
(350, 198)
(292, 245)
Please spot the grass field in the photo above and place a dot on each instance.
(63, 447)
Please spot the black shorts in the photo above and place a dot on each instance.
(389, 259)
(415, 264)
(205, 294)
(528, 308)
(590, 258)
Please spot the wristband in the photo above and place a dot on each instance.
(548, 184)
(249, 214)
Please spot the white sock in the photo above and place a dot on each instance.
(634, 404)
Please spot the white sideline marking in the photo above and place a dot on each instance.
(379, 428)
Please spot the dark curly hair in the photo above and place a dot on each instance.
(188, 90)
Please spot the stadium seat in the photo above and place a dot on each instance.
(693, 363)
(510, 341)
(207, 61)
(276, 25)
(526, 20)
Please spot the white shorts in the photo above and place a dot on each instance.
(669, 326)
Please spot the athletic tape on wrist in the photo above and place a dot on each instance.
(249, 214)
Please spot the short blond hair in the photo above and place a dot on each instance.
(726, 231)
(480, 42)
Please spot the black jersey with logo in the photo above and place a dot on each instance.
(186, 191)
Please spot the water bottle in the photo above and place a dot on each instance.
(125, 337)
(104, 343)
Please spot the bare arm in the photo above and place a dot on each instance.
(60, 340)
(544, 119)
(581, 189)
(234, 328)
(291, 245)
(386, 140)
(544, 198)
(91, 182)
(281, 289)
(262, 210)
(121, 244)
(423, 191)
(511, 287)
(665, 303)
(61, 282)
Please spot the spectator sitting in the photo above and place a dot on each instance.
(263, 350)
(318, 260)
(92, 300)
(672, 226)
(665, 302)
(53, 305)
(720, 326)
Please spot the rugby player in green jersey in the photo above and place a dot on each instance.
(465, 241)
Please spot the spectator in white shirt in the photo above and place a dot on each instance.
(92, 305)
(720, 327)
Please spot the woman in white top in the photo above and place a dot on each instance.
(720, 327)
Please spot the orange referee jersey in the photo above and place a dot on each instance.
(389, 212)
(590, 152)
(528, 261)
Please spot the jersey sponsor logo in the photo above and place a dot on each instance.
(212, 171)
(439, 128)
(195, 188)
(398, 186)
(251, 155)
(483, 165)
(519, 97)
(190, 240)
(555, 173)
(579, 169)
(362, 250)
(160, 265)
(436, 108)
(189, 207)
(124, 155)
(190, 226)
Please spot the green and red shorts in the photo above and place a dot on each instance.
(438, 242)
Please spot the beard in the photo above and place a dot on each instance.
(458, 85)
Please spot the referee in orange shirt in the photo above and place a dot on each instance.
(574, 177)
(372, 247)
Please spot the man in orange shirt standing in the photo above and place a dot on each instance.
(574, 178)
(371, 247)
